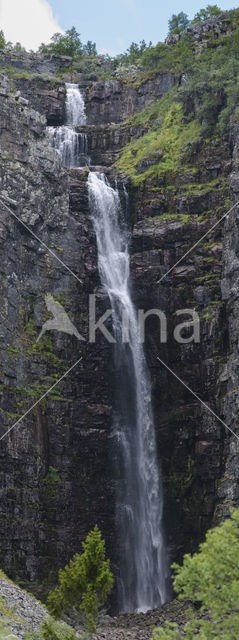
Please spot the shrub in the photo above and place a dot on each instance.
(85, 582)
(210, 579)
(52, 630)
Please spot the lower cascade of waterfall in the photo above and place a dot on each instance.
(72, 146)
(144, 572)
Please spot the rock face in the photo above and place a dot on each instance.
(34, 63)
(57, 466)
(214, 27)
(52, 473)
(112, 101)
(229, 485)
(23, 614)
(190, 439)
(44, 95)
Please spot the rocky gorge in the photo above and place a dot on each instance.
(58, 466)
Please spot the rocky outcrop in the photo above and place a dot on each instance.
(20, 612)
(114, 101)
(35, 62)
(216, 27)
(105, 142)
(229, 485)
(45, 95)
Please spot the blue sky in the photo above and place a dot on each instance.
(112, 24)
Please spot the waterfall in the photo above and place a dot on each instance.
(75, 106)
(143, 561)
(72, 146)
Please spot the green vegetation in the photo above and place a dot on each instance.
(69, 44)
(21, 74)
(2, 40)
(7, 615)
(85, 582)
(213, 85)
(3, 575)
(210, 579)
(165, 145)
(16, 48)
(178, 23)
(51, 485)
(92, 68)
(133, 53)
(52, 630)
(180, 481)
(192, 116)
(5, 632)
(210, 11)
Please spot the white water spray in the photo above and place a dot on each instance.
(143, 558)
(75, 106)
(71, 145)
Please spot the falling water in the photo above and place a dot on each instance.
(72, 146)
(75, 106)
(143, 570)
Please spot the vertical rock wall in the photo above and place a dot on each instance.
(57, 475)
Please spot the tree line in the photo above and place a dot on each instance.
(70, 43)
(179, 22)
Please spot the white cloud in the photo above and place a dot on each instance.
(27, 21)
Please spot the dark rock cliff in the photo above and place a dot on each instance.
(57, 466)
(54, 476)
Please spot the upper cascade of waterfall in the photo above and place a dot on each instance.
(75, 106)
(71, 145)
(144, 568)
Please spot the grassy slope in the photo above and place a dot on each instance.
(208, 101)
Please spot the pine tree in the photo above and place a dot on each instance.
(85, 582)
(178, 23)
